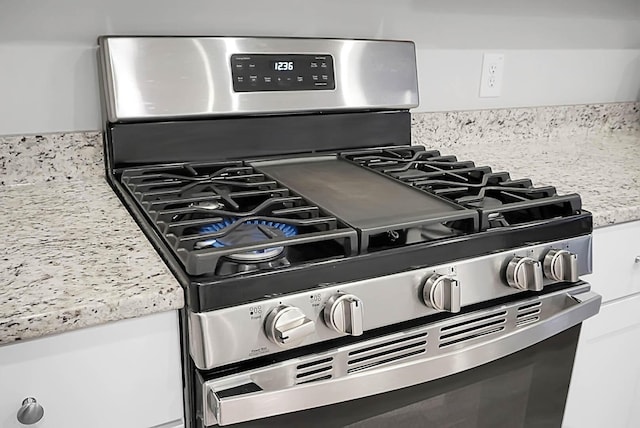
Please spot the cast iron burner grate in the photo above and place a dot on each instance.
(224, 218)
(499, 200)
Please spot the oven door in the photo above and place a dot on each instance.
(506, 366)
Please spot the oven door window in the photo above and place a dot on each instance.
(525, 389)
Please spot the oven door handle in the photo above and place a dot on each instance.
(247, 401)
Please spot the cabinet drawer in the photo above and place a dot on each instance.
(122, 374)
(615, 270)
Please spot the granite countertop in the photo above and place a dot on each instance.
(73, 257)
(604, 168)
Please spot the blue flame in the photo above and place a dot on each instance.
(287, 229)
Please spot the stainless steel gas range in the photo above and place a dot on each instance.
(334, 274)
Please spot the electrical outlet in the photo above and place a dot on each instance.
(491, 76)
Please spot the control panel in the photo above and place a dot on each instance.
(282, 72)
(330, 311)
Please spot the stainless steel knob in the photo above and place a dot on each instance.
(287, 326)
(560, 265)
(442, 292)
(343, 313)
(30, 412)
(524, 273)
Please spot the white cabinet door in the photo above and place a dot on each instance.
(118, 375)
(605, 386)
(615, 270)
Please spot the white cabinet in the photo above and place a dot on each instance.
(122, 374)
(615, 270)
(605, 385)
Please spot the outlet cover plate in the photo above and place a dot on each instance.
(491, 76)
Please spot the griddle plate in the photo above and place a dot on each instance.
(364, 199)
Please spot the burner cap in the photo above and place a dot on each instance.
(208, 205)
(249, 233)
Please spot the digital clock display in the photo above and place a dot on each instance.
(282, 65)
(255, 72)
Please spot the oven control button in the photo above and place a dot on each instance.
(560, 265)
(343, 313)
(524, 273)
(442, 292)
(287, 326)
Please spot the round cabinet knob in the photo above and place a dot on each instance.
(343, 313)
(287, 326)
(561, 265)
(30, 412)
(442, 292)
(524, 273)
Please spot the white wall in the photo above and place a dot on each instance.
(557, 52)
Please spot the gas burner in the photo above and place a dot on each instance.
(230, 266)
(438, 231)
(214, 213)
(486, 202)
(499, 200)
(248, 233)
(497, 220)
(207, 205)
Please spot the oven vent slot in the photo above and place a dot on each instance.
(472, 329)
(386, 352)
(529, 306)
(314, 371)
(528, 314)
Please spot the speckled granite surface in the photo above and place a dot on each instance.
(73, 257)
(50, 157)
(522, 124)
